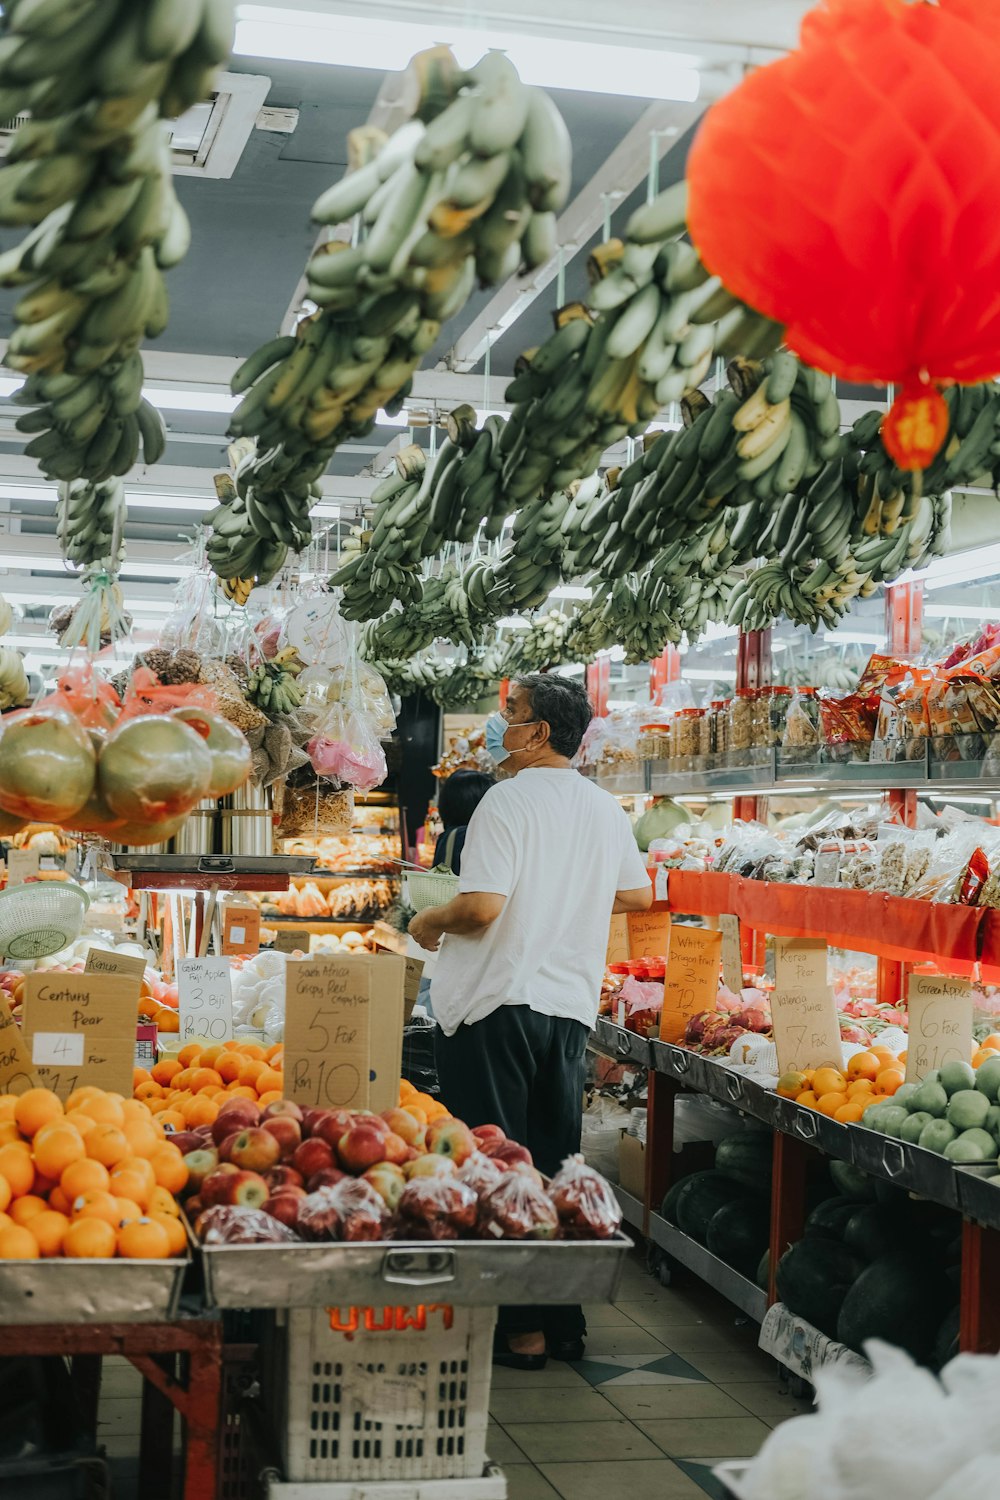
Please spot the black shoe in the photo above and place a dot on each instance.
(569, 1349)
(503, 1354)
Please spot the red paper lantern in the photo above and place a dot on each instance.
(850, 191)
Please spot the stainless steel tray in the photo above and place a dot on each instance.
(619, 1042)
(978, 1198)
(688, 1068)
(911, 1167)
(815, 1129)
(468, 1273)
(216, 864)
(735, 1287)
(90, 1291)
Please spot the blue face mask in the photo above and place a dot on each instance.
(496, 730)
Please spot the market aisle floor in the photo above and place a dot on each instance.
(672, 1384)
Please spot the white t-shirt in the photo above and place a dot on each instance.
(558, 848)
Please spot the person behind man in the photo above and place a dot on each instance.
(458, 798)
(548, 858)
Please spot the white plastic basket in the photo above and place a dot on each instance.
(430, 888)
(404, 1398)
(491, 1486)
(40, 918)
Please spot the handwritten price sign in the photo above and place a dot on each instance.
(16, 1072)
(205, 999)
(692, 980)
(803, 1010)
(940, 1023)
(327, 1032)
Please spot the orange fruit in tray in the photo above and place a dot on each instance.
(861, 1088)
(18, 1168)
(79, 1120)
(90, 1239)
(106, 1110)
(167, 1020)
(889, 1080)
(993, 1040)
(49, 1229)
(17, 1243)
(790, 1085)
(60, 1201)
(35, 1108)
(828, 1081)
(130, 1185)
(271, 1097)
(23, 1210)
(209, 1056)
(189, 1054)
(864, 1065)
(171, 1173)
(8, 1103)
(142, 1136)
(56, 1147)
(5, 1195)
(269, 1080)
(828, 1104)
(96, 1205)
(848, 1113)
(163, 1202)
(128, 1211)
(106, 1144)
(143, 1239)
(808, 1099)
(9, 1132)
(166, 1070)
(229, 1067)
(174, 1230)
(84, 1177)
(983, 1055)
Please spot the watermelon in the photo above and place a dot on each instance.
(813, 1279)
(873, 1231)
(703, 1194)
(739, 1232)
(830, 1218)
(669, 1206)
(850, 1182)
(747, 1158)
(898, 1298)
(763, 1276)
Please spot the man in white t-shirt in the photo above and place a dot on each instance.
(548, 858)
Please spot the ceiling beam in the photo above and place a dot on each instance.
(658, 128)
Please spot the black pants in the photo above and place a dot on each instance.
(524, 1072)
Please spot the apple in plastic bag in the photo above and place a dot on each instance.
(518, 1209)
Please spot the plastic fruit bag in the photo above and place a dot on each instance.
(518, 1209)
(481, 1173)
(587, 1208)
(436, 1208)
(228, 1224)
(350, 1210)
(347, 750)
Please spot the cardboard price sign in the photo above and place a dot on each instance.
(16, 1071)
(80, 1029)
(732, 952)
(648, 934)
(327, 1031)
(940, 1027)
(411, 988)
(240, 929)
(692, 979)
(803, 1010)
(100, 961)
(205, 998)
(22, 865)
(618, 941)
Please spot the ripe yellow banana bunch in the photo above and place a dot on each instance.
(89, 176)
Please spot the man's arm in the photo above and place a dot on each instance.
(640, 899)
(463, 916)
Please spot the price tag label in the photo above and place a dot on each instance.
(290, 942)
(100, 961)
(16, 1071)
(732, 952)
(618, 941)
(692, 979)
(57, 1049)
(648, 934)
(205, 999)
(940, 1026)
(22, 865)
(99, 1010)
(240, 929)
(327, 1032)
(803, 1010)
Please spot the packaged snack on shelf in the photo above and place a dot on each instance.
(848, 726)
(314, 807)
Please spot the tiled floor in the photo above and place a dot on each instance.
(672, 1383)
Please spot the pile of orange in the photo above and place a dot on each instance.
(90, 1179)
(426, 1108)
(189, 1089)
(844, 1095)
(983, 1051)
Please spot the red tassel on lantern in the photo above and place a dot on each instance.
(850, 192)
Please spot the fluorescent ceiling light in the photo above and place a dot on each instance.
(975, 566)
(704, 674)
(345, 41)
(853, 638)
(31, 564)
(962, 611)
(570, 591)
(177, 399)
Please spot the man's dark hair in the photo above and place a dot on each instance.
(561, 703)
(460, 795)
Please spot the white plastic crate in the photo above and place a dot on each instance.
(491, 1486)
(380, 1393)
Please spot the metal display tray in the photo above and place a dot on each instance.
(912, 1167)
(627, 1046)
(815, 1129)
(467, 1273)
(687, 1068)
(216, 864)
(90, 1291)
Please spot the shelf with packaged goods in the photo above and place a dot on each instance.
(766, 772)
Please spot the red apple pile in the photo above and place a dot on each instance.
(284, 1172)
